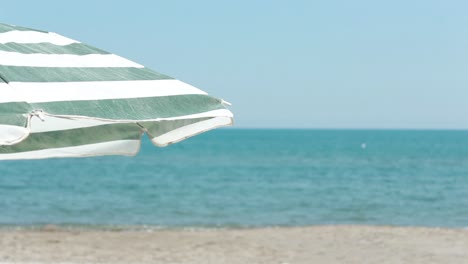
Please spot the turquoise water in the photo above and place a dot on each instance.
(247, 178)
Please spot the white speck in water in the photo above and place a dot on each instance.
(363, 145)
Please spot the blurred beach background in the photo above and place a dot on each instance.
(350, 142)
(251, 178)
(246, 196)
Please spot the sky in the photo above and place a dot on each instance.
(288, 64)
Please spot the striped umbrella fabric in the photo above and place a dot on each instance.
(63, 98)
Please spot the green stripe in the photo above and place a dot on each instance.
(49, 48)
(13, 120)
(14, 113)
(5, 28)
(117, 109)
(156, 129)
(55, 74)
(75, 137)
(134, 108)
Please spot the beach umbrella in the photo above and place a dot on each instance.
(63, 98)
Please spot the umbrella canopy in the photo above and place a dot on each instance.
(63, 98)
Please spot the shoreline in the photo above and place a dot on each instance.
(312, 244)
(146, 228)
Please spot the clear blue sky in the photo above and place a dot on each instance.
(307, 64)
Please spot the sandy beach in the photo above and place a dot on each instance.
(316, 244)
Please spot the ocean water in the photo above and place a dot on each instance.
(248, 178)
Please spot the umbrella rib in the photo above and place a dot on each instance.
(142, 127)
(3, 79)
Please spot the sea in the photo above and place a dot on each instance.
(243, 178)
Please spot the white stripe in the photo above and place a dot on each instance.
(52, 123)
(8, 94)
(119, 147)
(75, 91)
(25, 37)
(56, 123)
(10, 135)
(182, 133)
(64, 60)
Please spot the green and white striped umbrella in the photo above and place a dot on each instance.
(63, 98)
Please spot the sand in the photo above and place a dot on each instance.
(316, 244)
